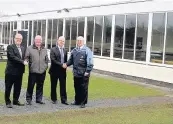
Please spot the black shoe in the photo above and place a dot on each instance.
(28, 103)
(18, 103)
(54, 102)
(65, 103)
(40, 102)
(82, 106)
(9, 106)
(74, 103)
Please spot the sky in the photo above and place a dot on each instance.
(26, 6)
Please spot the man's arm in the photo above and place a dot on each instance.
(89, 61)
(53, 58)
(70, 61)
(12, 57)
(46, 58)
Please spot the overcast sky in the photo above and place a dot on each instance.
(25, 6)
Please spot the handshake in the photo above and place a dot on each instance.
(64, 65)
(25, 62)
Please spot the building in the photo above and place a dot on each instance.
(132, 38)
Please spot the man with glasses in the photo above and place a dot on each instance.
(37, 57)
(14, 71)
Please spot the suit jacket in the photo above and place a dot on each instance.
(56, 66)
(15, 64)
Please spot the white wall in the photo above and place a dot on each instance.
(153, 72)
(133, 69)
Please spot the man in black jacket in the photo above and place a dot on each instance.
(58, 56)
(14, 71)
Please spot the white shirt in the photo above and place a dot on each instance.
(81, 47)
(60, 48)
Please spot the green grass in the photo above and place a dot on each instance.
(148, 114)
(1, 97)
(99, 88)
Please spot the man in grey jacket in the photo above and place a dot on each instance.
(37, 57)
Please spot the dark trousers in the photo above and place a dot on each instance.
(62, 81)
(81, 89)
(39, 80)
(9, 81)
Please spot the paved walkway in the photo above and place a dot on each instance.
(49, 107)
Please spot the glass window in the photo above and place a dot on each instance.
(73, 33)
(60, 27)
(15, 25)
(23, 25)
(54, 33)
(0, 31)
(12, 32)
(8, 33)
(98, 35)
(43, 31)
(30, 32)
(49, 30)
(81, 23)
(158, 30)
(26, 24)
(141, 40)
(169, 40)
(90, 32)
(67, 33)
(107, 36)
(130, 36)
(35, 29)
(39, 27)
(118, 38)
(4, 32)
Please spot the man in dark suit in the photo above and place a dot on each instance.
(58, 56)
(14, 71)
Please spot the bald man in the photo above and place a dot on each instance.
(14, 71)
(58, 57)
(37, 57)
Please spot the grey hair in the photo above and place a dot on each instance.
(61, 38)
(80, 38)
(38, 37)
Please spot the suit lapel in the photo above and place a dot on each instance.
(65, 55)
(15, 47)
(23, 51)
(64, 51)
(57, 51)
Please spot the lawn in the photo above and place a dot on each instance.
(148, 114)
(1, 97)
(99, 88)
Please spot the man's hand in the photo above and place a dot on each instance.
(86, 74)
(25, 62)
(64, 66)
